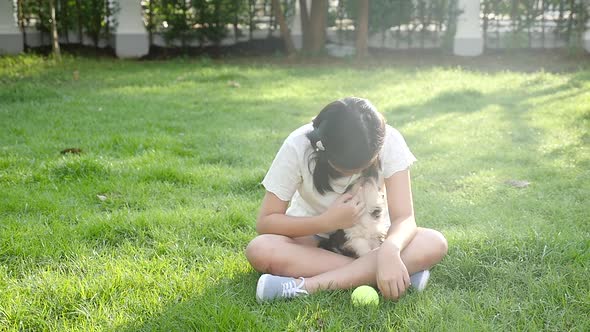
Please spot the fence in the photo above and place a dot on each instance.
(398, 24)
(393, 24)
(534, 23)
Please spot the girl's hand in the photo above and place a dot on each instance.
(392, 275)
(344, 212)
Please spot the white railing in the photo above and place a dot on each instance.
(130, 37)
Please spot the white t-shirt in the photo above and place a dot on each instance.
(290, 177)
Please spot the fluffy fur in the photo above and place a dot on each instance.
(369, 232)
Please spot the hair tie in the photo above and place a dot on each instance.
(319, 146)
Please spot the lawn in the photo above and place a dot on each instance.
(145, 229)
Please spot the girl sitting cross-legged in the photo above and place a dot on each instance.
(305, 203)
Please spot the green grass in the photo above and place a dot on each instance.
(179, 154)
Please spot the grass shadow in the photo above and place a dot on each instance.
(229, 304)
(224, 305)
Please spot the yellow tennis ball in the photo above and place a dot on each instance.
(365, 295)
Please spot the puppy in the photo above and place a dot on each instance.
(370, 230)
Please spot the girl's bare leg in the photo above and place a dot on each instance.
(280, 255)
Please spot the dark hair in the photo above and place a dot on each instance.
(348, 133)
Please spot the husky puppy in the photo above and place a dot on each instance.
(370, 230)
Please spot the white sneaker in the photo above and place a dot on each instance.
(419, 280)
(271, 287)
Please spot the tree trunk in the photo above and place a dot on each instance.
(21, 22)
(285, 33)
(271, 21)
(79, 9)
(362, 29)
(251, 13)
(63, 14)
(317, 27)
(236, 20)
(107, 14)
(486, 13)
(184, 32)
(151, 23)
(217, 15)
(201, 21)
(570, 21)
(40, 15)
(542, 24)
(96, 24)
(54, 34)
(304, 24)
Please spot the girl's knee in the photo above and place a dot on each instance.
(429, 247)
(260, 251)
(443, 245)
(438, 246)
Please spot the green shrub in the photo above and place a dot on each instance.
(94, 18)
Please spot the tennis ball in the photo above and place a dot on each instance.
(365, 295)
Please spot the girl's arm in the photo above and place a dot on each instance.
(392, 275)
(401, 210)
(272, 219)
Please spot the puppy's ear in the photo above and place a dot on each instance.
(381, 181)
(373, 170)
(349, 188)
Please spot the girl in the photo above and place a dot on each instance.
(304, 202)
